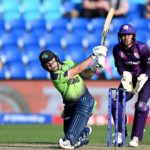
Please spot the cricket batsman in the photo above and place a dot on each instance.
(132, 60)
(78, 102)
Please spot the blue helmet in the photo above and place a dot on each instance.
(126, 29)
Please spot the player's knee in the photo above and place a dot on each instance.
(141, 106)
(86, 107)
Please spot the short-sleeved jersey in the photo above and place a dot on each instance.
(135, 60)
(72, 89)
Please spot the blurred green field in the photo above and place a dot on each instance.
(49, 134)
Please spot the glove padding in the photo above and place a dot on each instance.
(100, 50)
(127, 81)
(100, 62)
(141, 80)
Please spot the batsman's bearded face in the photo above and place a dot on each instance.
(127, 39)
(52, 65)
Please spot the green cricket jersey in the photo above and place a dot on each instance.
(71, 89)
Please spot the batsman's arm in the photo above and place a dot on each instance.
(87, 66)
(88, 73)
(92, 64)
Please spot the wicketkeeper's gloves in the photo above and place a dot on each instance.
(141, 80)
(127, 81)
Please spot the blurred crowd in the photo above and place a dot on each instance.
(51, 9)
(100, 8)
(95, 8)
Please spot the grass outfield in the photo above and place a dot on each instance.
(15, 137)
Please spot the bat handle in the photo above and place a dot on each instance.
(103, 37)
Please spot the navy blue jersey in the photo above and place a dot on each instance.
(135, 60)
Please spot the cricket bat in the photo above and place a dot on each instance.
(106, 25)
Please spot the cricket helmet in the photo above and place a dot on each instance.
(126, 29)
(46, 56)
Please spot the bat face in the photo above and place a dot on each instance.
(106, 25)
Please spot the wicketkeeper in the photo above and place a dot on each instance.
(132, 59)
(78, 102)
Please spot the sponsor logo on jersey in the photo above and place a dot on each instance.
(136, 55)
(132, 63)
(122, 55)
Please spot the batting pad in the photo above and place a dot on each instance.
(80, 119)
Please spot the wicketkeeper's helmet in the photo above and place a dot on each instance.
(126, 29)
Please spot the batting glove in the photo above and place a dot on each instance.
(141, 80)
(127, 81)
(100, 62)
(100, 50)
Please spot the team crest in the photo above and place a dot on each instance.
(136, 55)
(44, 56)
(126, 27)
(122, 55)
